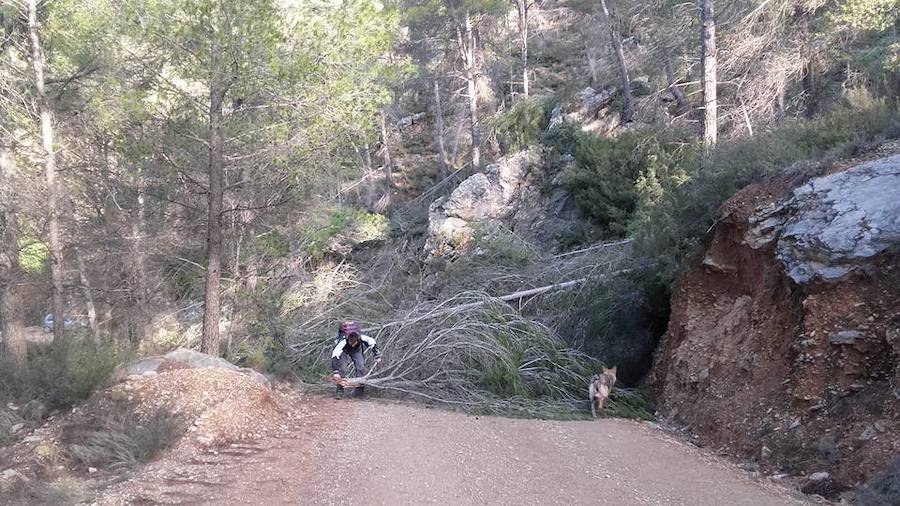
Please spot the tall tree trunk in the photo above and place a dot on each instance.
(386, 152)
(610, 17)
(708, 61)
(522, 8)
(211, 311)
(466, 41)
(439, 127)
(677, 94)
(53, 190)
(139, 280)
(14, 345)
(88, 295)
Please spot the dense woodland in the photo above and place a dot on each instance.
(173, 170)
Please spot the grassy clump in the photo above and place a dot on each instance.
(8, 419)
(500, 246)
(118, 438)
(60, 378)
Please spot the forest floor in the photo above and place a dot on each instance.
(347, 451)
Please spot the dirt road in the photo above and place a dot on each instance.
(409, 455)
(363, 452)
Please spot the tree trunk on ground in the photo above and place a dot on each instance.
(88, 295)
(522, 9)
(53, 190)
(211, 311)
(708, 62)
(386, 152)
(466, 40)
(677, 94)
(610, 17)
(439, 127)
(14, 345)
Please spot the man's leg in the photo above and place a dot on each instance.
(359, 363)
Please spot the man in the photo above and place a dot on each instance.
(351, 344)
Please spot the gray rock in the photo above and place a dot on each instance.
(502, 194)
(592, 101)
(410, 120)
(846, 337)
(141, 366)
(833, 224)
(16, 428)
(33, 439)
(34, 410)
(819, 476)
(868, 434)
(640, 86)
(9, 474)
(190, 358)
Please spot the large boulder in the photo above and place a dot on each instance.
(506, 193)
(183, 358)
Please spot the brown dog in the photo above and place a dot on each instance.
(601, 386)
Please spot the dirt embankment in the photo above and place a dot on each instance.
(784, 341)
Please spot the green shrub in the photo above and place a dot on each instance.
(60, 378)
(39, 492)
(273, 245)
(342, 224)
(609, 175)
(521, 126)
(883, 488)
(33, 255)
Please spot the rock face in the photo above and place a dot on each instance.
(786, 334)
(504, 193)
(832, 224)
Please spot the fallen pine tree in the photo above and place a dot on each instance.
(478, 353)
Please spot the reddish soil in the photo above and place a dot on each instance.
(749, 364)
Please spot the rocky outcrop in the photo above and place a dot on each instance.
(182, 358)
(506, 192)
(833, 224)
(784, 340)
(595, 111)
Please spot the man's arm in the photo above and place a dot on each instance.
(336, 354)
(371, 344)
